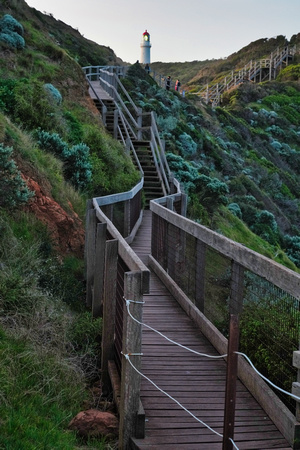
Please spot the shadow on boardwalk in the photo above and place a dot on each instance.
(196, 382)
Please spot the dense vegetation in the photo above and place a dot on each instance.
(243, 156)
(51, 136)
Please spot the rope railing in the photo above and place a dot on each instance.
(220, 277)
(127, 356)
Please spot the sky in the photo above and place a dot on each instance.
(180, 30)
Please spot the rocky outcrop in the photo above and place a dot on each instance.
(66, 229)
(94, 423)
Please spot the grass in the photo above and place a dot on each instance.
(49, 347)
(233, 228)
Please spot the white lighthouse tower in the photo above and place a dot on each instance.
(145, 48)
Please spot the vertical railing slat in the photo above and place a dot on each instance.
(132, 343)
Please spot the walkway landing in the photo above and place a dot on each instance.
(196, 382)
(101, 93)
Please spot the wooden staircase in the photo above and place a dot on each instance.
(254, 71)
(152, 183)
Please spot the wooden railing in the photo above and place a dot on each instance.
(130, 123)
(213, 277)
(256, 71)
(114, 273)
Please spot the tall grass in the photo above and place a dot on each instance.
(48, 349)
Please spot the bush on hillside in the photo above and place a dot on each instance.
(78, 167)
(7, 96)
(32, 106)
(13, 189)
(77, 162)
(53, 93)
(11, 32)
(211, 192)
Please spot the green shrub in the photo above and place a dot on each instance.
(54, 93)
(9, 23)
(13, 189)
(75, 129)
(235, 209)
(211, 192)
(78, 165)
(11, 32)
(186, 145)
(32, 106)
(7, 96)
(51, 142)
(292, 248)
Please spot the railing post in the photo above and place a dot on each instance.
(296, 385)
(230, 396)
(109, 309)
(99, 270)
(200, 275)
(139, 123)
(90, 236)
(116, 123)
(127, 211)
(132, 344)
(237, 288)
(296, 391)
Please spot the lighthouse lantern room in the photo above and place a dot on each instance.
(145, 48)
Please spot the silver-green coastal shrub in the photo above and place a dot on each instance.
(11, 32)
(13, 189)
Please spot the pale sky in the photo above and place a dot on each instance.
(184, 30)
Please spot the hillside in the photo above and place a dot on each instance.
(239, 164)
(54, 155)
(196, 74)
(240, 159)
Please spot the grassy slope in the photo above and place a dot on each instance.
(48, 341)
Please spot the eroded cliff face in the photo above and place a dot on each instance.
(65, 228)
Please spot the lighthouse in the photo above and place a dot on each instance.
(145, 48)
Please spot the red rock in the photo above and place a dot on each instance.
(66, 229)
(94, 423)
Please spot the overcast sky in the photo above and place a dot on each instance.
(184, 30)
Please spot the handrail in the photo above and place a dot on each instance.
(180, 259)
(116, 96)
(119, 197)
(110, 82)
(214, 92)
(104, 108)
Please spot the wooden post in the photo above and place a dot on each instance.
(296, 391)
(127, 212)
(99, 270)
(237, 288)
(200, 275)
(139, 123)
(90, 254)
(116, 123)
(231, 377)
(132, 343)
(296, 385)
(184, 200)
(109, 308)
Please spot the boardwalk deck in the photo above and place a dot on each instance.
(196, 382)
(102, 94)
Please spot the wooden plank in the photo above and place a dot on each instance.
(195, 381)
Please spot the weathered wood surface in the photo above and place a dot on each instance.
(101, 93)
(196, 382)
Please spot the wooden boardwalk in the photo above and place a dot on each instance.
(198, 383)
(102, 94)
